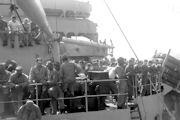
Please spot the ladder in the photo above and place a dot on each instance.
(135, 111)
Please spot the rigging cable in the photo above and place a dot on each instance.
(127, 42)
(121, 29)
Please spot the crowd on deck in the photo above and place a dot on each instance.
(23, 34)
(58, 80)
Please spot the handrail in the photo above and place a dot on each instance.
(86, 96)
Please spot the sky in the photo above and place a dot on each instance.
(149, 25)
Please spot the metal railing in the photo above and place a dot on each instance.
(86, 96)
(153, 85)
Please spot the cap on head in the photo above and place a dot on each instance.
(49, 63)
(29, 102)
(39, 59)
(19, 68)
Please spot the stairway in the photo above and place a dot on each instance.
(135, 111)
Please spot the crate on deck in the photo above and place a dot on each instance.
(171, 75)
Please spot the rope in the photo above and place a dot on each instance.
(121, 29)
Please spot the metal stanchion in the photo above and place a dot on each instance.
(86, 97)
(36, 94)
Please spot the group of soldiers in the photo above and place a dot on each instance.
(140, 75)
(16, 34)
(57, 80)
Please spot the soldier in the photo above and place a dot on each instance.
(130, 73)
(18, 81)
(3, 31)
(27, 32)
(144, 82)
(122, 85)
(29, 111)
(54, 89)
(4, 90)
(11, 65)
(61, 93)
(68, 72)
(14, 30)
(39, 74)
(152, 73)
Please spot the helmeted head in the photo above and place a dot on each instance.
(49, 65)
(39, 61)
(29, 104)
(11, 65)
(19, 69)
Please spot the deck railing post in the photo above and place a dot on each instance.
(150, 85)
(36, 93)
(86, 96)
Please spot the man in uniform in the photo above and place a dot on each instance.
(4, 91)
(144, 81)
(122, 85)
(130, 73)
(3, 31)
(54, 90)
(14, 30)
(68, 72)
(39, 74)
(27, 31)
(29, 111)
(18, 81)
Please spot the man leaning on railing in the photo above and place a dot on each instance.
(4, 90)
(39, 74)
(18, 81)
(54, 90)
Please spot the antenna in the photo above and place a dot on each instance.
(121, 29)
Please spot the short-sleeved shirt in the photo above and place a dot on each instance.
(38, 74)
(14, 26)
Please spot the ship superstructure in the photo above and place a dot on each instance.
(69, 19)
